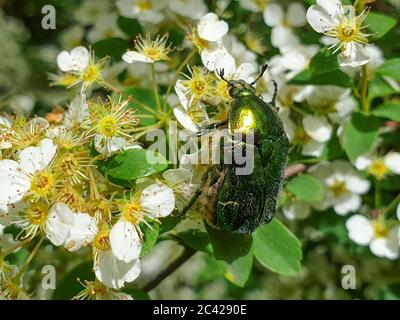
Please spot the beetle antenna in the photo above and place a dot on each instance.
(263, 68)
(221, 73)
(275, 92)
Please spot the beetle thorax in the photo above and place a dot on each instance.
(240, 88)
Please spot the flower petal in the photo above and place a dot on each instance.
(184, 119)
(113, 272)
(82, 233)
(210, 28)
(296, 14)
(14, 184)
(33, 159)
(273, 15)
(125, 241)
(347, 203)
(158, 200)
(359, 229)
(357, 185)
(59, 223)
(387, 247)
(392, 161)
(317, 128)
(77, 60)
(319, 19)
(134, 56)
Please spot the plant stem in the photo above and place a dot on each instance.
(392, 205)
(378, 197)
(155, 89)
(178, 71)
(29, 260)
(186, 255)
(18, 245)
(364, 89)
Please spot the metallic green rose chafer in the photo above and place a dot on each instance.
(241, 202)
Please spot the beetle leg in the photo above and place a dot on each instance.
(213, 126)
(273, 101)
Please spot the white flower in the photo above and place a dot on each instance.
(334, 101)
(238, 50)
(379, 167)
(398, 212)
(296, 210)
(185, 120)
(78, 111)
(193, 9)
(19, 178)
(244, 72)
(311, 136)
(114, 272)
(210, 28)
(72, 37)
(383, 241)
(148, 50)
(155, 201)
(180, 181)
(91, 10)
(106, 27)
(254, 5)
(344, 186)
(341, 23)
(208, 38)
(281, 23)
(69, 229)
(292, 60)
(146, 11)
(76, 60)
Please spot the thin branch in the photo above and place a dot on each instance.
(186, 255)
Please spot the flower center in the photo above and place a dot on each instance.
(347, 31)
(380, 229)
(108, 126)
(378, 169)
(37, 213)
(261, 4)
(153, 53)
(102, 240)
(144, 5)
(300, 136)
(92, 73)
(338, 188)
(42, 183)
(132, 212)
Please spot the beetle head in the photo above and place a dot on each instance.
(240, 88)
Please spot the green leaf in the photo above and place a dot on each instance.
(332, 149)
(323, 61)
(277, 248)
(68, 286)
(388, 110)
(131, 27)
(360, 134)
(168, 223)
(390, 68)
(378, 87)
(133, 164)
(335, 77)
(323, 70)
(113, 48)
(306, 188)
(147, 106)
(379, 24)
(196, 240)
(233, 252)
(150, 235)
(18, 258)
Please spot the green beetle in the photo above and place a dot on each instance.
(241, 203)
